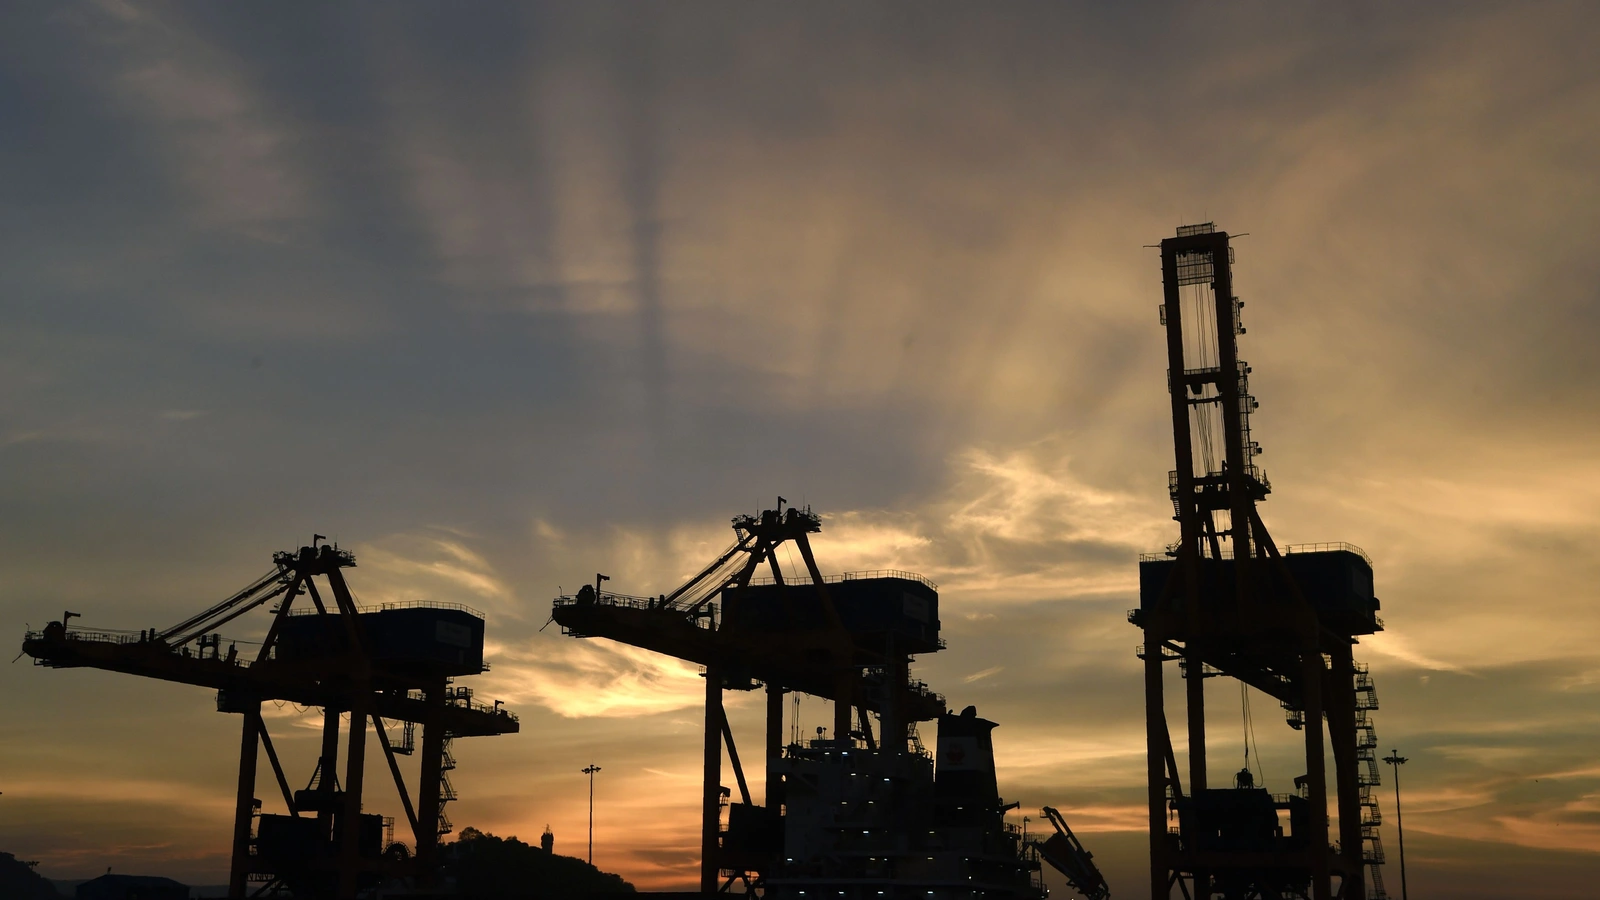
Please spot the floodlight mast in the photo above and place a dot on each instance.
(589, 770)
(1395, 760)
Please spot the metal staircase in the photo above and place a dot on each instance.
(1368, 778)
(446, 791)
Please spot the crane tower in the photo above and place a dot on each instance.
(1226, 601)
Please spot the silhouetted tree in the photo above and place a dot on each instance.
(486, 866)
(18, 881)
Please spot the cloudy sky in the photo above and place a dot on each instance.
(501, 297)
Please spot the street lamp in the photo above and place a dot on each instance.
(589, 770)
(1396, 760)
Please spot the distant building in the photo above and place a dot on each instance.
(132, 887)
(547, 841)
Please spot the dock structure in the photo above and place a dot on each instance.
(1225, 600)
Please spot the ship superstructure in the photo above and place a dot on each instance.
(865, 823)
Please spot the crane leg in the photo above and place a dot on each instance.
(1155, 726)
(1316, 775)
(774, 743)
(244, 808)
(427, 832)
(711, 790)
(350, 818)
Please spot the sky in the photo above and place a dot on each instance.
(502, 296)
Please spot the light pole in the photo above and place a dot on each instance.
(589, 770)
(1396, 760)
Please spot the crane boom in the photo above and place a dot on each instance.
(1065, 853)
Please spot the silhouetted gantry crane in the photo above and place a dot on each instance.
(393, 663)
(1282, 621)
(848, 639)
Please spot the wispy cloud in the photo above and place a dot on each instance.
(424, 566)
(1015, 527)
(982, 674)
(578, 679)
(235, 153)
(1399, 648)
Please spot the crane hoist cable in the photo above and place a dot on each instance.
(1247, 720)
(236, 605)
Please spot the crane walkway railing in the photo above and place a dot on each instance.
(607, 598)
(397, 604)
(463, 698)
(611, 598)
(852, 576)
(101, 636)
(124, 638)
(1286, 550)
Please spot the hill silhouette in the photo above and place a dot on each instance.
(18, 881)
(486, 866)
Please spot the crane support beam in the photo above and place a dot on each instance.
(244, 805)
(1156, 752)
(733, 757)
(277, 768)
(711, 783)
(434, 733)
(774, 789)
(394, 769)
(295, 682)
(295, 584)
(350, 820)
